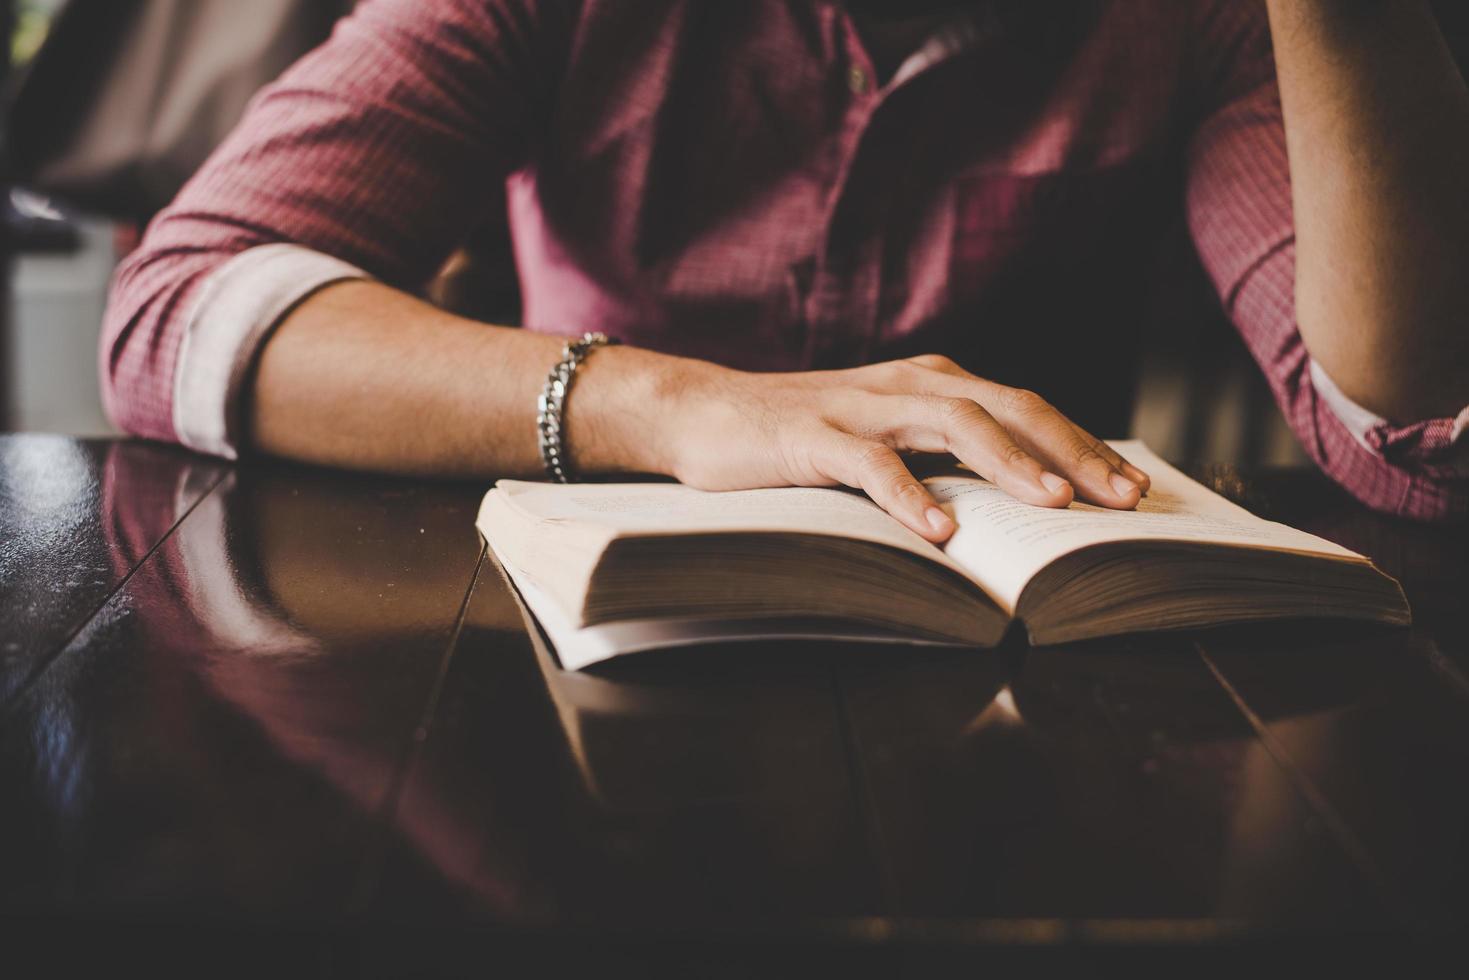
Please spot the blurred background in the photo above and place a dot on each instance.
(111, 104)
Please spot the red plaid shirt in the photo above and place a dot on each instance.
(728, 180)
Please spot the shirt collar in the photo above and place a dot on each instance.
(965, 30)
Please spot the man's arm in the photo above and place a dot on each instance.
(1377, 129)
(363, 376)
(1240, 189)
(374, 156)
(269, 307)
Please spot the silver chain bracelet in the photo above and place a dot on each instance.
(551, 405)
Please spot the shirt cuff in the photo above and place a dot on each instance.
(1440, 445)
(241, 302)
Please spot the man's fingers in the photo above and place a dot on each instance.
(875, 468)
(979, 441)
(1117, 460)
(1096, 470)
(1039, 426)
(937, 423)
(1011, 436)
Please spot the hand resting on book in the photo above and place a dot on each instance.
(738, 430)
(467, 408)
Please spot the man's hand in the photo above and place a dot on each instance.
(726, 430)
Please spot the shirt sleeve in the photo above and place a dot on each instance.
(239, 304)
(375, 155)
(1239, 213)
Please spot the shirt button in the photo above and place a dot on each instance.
(857, 79)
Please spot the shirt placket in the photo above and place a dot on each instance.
(842, 308)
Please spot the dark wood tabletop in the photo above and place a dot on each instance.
(266, 701)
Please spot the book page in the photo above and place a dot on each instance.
(639, 509)
(581, 646)
(1005, 542)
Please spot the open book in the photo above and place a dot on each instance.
(609, 569)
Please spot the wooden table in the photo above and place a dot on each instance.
(288, 706)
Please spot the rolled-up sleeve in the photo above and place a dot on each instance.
(242, 300)
(374, 156)
(1239, 212)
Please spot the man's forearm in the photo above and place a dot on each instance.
(366, 377)
(1377, 129)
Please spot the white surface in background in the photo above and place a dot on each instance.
(55, 321)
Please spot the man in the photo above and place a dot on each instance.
(790, 209)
